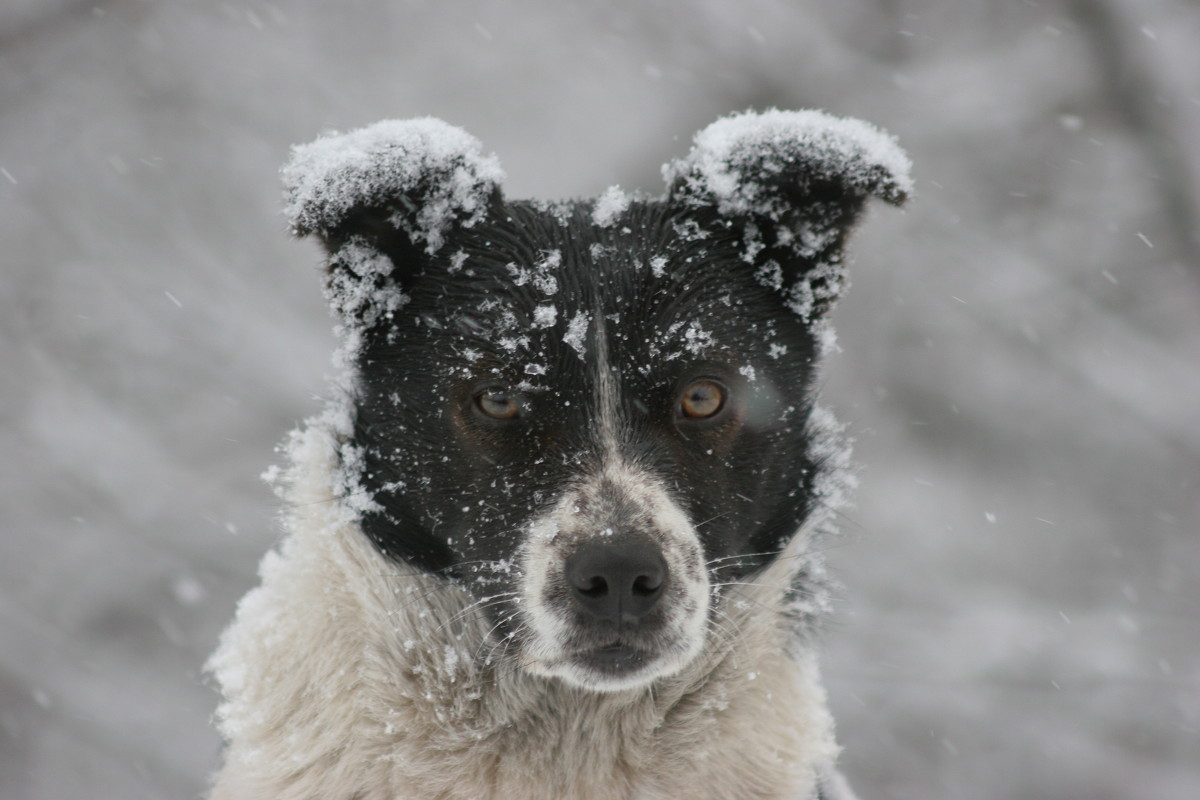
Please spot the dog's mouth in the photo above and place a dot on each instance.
(614, 659)
(622, 663)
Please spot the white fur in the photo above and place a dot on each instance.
(346, 677)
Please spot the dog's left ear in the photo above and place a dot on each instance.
(382, 200)
(791, 185)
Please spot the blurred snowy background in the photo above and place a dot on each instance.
(1021, 349)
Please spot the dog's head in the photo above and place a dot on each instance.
(591, 416)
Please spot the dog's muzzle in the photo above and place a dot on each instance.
(614, 591)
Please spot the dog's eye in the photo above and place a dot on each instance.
(498, 404)
(702, 400)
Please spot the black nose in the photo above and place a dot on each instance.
(618, 581)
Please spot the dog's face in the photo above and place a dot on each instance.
(590, 428)
(591, 417)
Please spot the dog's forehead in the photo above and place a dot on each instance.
(546, 281)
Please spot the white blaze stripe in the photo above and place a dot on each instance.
(607, 391)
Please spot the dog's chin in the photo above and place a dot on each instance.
(613, 668)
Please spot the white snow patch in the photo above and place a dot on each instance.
(658, 266)
(361, 289)
(545, 316)
(609, 206)
(385, 164)
(451, 659)
(696, 339)
(540, 274)
(543, 280)
(514, 343)
(770, 275)
(576, 332)
(690, 231)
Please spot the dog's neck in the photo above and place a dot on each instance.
(346, 676)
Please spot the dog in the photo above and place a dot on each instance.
(559, 538)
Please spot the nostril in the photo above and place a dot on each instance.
(645, 585)
(595, 586)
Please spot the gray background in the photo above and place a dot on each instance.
(1021, 349)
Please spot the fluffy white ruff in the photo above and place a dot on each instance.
(346, 677)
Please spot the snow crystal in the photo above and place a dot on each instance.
(544, 316)
(576, 331)
(609, 206)
(770, 275)
(658, 266)
(519, 275)
(690, 231)
(361, 288)
(799, 299)
(696, 339)
(540, 274)
(384, 165)
(542, 279)
(514, 343)
(451, 659)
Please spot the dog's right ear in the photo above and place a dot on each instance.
(790, 185)
(382, 200)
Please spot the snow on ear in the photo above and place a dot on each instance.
(420, 175)
(794, 183)
(383, 197)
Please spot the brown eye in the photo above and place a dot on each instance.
(498, 404)
(702, 400)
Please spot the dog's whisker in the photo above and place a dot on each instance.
(478, 606)
(742, 557)
(714, 518)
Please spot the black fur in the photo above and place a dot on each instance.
(454, 487)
